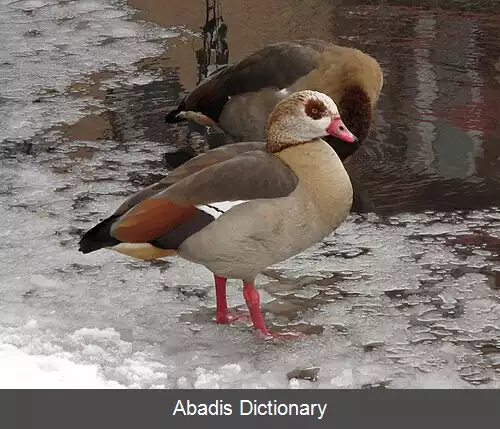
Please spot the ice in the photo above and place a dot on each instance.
(382, 340)
(67, 44)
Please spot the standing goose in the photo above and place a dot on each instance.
(240, 97)
(237, 217)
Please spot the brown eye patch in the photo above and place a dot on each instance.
(315, 109)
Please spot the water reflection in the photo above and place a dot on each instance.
(433, 146)
(434, 142)
(215, 51)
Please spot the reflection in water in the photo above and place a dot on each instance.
(428, 147)
(215, 51)
(420, 156)
(434, 144)
(213, 56)
(457, 160)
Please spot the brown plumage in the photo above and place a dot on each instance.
(150, 219)
(355, 109)
(240, 97)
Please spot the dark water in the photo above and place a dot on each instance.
(435, 141)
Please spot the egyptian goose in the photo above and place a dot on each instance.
(240, 97)
(239, 216)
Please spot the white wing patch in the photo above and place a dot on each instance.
(217, 209)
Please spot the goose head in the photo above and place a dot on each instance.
(303, 117)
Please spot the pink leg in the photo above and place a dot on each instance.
(252, 299)
(222, 313)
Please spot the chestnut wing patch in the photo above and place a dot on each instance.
(150, 219)
(204, 215)
(169, 211)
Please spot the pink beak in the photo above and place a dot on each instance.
(338, 129)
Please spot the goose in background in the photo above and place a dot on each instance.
(239, 97)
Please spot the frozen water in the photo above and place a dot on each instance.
(47, 44)
(409, 301)
(31, 358)
(106, 321)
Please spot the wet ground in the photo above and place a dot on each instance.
(408, 296)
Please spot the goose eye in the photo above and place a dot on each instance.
(315, 109)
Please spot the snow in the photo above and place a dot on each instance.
(24, 371)
(30, 360)
(398, 302)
